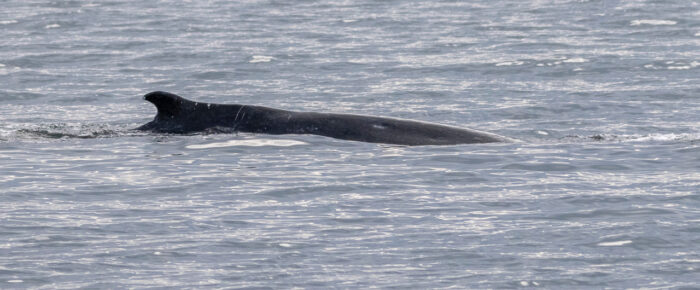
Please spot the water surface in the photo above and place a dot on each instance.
(600, 191)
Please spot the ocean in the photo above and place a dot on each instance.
(600, 190)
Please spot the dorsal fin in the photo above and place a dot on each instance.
(169, 105)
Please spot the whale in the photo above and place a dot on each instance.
(177, 115)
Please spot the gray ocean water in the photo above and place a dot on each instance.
(602, 190)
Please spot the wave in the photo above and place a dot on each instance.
(64, 131)
(654, 137)
(61, 131)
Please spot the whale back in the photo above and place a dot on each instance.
(179, 115)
